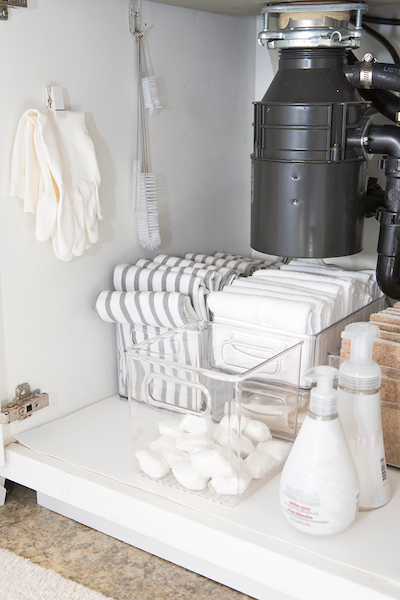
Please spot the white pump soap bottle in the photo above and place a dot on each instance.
(359, 406)
(319, 486)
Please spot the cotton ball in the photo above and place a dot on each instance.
(188, 476)
(173, 456)
(162, 444)
(257, 464)
(278, 449)
(257, 431)
(152, 463)
(196, 424)
(214, 431)
(230, 486)
(169, 429)
(234, 422)
(230, 439)
(210, 462)
(190, 442)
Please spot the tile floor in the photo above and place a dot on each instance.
(94, 559)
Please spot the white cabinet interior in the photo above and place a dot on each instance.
(244, 7)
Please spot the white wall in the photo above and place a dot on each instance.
(200, 147)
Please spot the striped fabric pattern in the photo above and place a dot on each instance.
(127, 336)
(241, 266)
(227, 274)
(171, 382)
(212, 279)
(133, 278)
(256, 261)
(157, 309)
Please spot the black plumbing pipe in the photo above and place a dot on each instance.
(375, 197)
(388, 275)
(388, 264)
(384, 139)
(384, 77)
(383, 101)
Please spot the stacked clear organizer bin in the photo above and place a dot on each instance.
(213, 408)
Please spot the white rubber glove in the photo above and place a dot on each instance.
(54, 170)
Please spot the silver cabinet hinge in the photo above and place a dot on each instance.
(24, 404)
(6, 4)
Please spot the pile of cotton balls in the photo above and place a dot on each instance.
(200, 452)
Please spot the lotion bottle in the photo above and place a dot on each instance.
(359, 407)
(319, 486)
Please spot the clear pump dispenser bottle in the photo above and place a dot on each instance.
(319, 486)
(359, 407)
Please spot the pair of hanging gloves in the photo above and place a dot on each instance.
(54, 171)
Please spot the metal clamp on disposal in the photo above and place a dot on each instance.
(24, 404)
(366, 67)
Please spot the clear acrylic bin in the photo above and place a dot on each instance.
(212, 393)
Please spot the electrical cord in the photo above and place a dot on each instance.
(384, 41)
(381, 20)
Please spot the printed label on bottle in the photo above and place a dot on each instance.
(301, 507)
(310, 511)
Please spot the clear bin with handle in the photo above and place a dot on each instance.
(213, 408)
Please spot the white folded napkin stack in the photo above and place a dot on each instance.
(54, 171)
(299, 300)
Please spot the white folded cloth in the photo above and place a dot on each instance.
(304, 278)
(241, 266)
(359, 291)
(324, 304)
(133, 278)
(55, 172)
(157, 309)
(286, 282)
(296, 317)
(331, 293)
(366, 277)
(215, 278)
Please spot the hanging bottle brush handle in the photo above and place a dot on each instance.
(143, 182)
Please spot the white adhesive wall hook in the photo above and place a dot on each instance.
(55, 100)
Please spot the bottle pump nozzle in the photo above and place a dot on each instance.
(323, 396)
(360, 372)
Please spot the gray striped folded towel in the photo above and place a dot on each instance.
(241, 266)
(212, 279)
(157, 309)
(133, 278)
(256, 261)
(215, 279)
(127, 336)
(170, 381)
